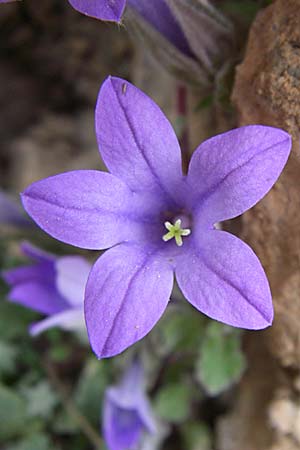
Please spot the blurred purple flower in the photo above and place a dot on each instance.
(158, 14)
(51, 285)
(126, 411)
(11, 213)
(155, 12)
(110, 10)
(145, 209)
(192, 40)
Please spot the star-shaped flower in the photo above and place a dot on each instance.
(127, 412)
(50, 285)
(130, 285)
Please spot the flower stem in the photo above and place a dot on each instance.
(182, 110)
(84, 425)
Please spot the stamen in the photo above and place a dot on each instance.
(175, 231)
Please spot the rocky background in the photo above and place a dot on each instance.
(267, 91)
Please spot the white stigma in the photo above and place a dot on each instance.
(175, 231)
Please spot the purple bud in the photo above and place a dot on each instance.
(126, 411)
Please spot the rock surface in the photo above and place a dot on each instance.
(267, 91)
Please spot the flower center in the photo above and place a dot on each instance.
(175, 231)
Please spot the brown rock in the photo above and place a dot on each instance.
(267, 91)
(267, 85)
(269, 77)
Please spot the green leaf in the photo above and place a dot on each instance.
(196, 436)
(60, 352)
(41, 400)
(12, 413)
(90, 388)
(221, 362)
(179, 125)
(205, 102)
(37, 441)
(63, 423)
(246, 8)
(8, 355)
(173, 402)
(14, 320)
(172, 333)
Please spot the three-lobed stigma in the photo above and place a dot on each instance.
(175, 231)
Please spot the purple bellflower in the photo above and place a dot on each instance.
(159, 221)
(51, 285)
(126, 411)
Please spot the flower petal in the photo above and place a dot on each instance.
(134, 401)
(127, 292)
(72, 276)
(71, 319)
(110, 10)
(223, 278)
(231, 172)
(42, 273)
(158, 14)
(136, 141)
(33, 286)
(128, 391)
(146, 415)
(122, 428)
(35, 294)
(85, 208)
(130, 394)
(36, 254)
